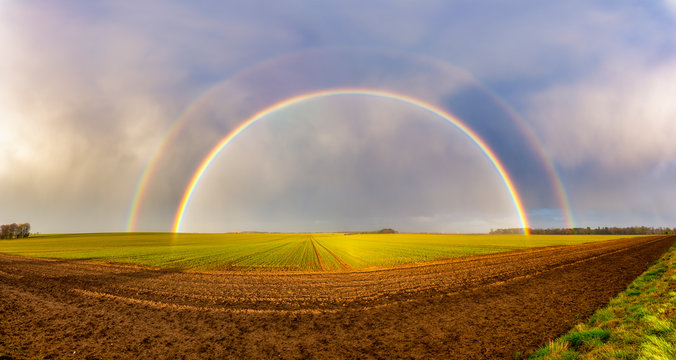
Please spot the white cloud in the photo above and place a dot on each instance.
(623, 118)
(613, 137)
(671, 5)
(80, 109)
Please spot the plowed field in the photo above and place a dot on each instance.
(486, 306)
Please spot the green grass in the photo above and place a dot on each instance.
(276, 251)
(640, 323)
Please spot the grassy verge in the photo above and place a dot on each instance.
(640, 323)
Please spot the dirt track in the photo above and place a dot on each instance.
(478, 307)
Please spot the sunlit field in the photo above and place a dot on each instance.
(277, 251)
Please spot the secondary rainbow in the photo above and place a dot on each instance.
(204, 165)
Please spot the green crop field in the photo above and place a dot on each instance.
(271, 251)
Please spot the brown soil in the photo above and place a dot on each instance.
(467, 308)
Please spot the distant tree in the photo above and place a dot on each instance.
(24, 230)
(11, 231)
(510, 231)
(630, 230)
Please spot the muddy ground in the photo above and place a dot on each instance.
(467, 308)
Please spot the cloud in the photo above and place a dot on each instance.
(671, 5)
(78, 119)
(612, 136)
(621, 119)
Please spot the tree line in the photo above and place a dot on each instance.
(12, 231)
(631, 230)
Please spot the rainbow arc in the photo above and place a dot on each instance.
(487, 151)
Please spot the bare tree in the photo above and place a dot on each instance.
(12, 231)
(24, 230)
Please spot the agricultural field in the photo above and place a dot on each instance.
(490, 306)
(278, 251)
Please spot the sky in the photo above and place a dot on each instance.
(108, 108)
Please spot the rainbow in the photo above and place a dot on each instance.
(148, 172)
(172, 132)
(150, 169)
(185, 200)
